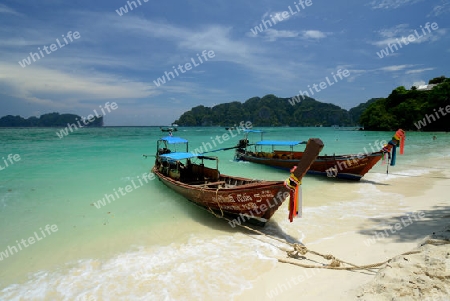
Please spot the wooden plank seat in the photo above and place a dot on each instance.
(214, 183)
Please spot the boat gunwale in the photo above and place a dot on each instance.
(258, 184)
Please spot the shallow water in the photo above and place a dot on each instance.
(150, 243)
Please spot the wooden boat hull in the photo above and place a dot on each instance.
(257, 199)
(344, 166)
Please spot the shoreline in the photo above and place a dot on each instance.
(154, 238)
(288, 282)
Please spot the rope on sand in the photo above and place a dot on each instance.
(436, 242)
(336, 264)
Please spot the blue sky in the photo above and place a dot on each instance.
(118, 58)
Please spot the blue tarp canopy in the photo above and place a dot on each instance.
(173, 140)
(184, 155)
(276, 142)
(179, 156)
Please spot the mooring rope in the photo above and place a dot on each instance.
(297, 248)
(217, 200)
(436, 242)
(336, 264)
(218, 204)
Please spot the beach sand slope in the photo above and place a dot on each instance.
(424, 275)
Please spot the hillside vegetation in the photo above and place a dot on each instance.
(268, 111)
(48, 120)
(424, 110)
(420, 108)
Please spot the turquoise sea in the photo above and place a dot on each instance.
(150, 243)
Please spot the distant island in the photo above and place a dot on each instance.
(50, 120)
(270, 110)
(422, 108)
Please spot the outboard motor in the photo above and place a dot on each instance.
(243, 143)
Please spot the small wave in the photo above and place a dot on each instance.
(202, 269)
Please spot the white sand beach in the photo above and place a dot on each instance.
(424, 275)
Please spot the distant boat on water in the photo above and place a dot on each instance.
(168, 129)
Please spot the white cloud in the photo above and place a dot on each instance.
(277, 16)
(387, 4)
(273, 34)
(243, 52)
(440, 9)
(355, 73)
(394, 68)
(419, 70)
(394, 31)
(314, 34)
(53, 86)
(71, 77)
(400, 33)
(7, 10)
(216, 38)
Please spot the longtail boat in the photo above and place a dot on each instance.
(257, 200)
(169, 129)
(352, 167)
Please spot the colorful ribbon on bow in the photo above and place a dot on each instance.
(295, 195)
(398, 139)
